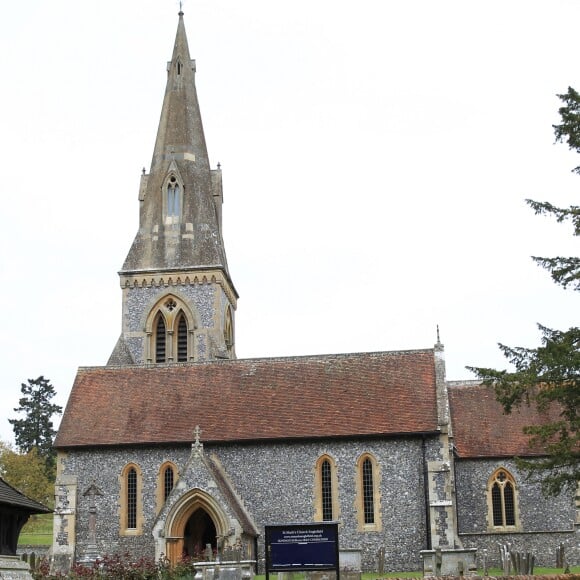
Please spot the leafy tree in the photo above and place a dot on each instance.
(36, 430)
(549, 375)
(27, 473)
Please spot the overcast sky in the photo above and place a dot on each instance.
(376, 156)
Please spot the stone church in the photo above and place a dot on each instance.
(176, 444)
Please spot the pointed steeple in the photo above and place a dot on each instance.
(180, 128)
(180, 198)
(178, 298)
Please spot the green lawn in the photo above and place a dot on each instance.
(37, 531)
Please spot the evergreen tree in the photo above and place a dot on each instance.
(564, 270)
(549, 376)
(35, 430)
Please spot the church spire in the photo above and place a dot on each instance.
(178, 298)
(180, 198)
(180, 128)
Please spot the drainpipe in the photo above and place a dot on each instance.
(426, 493)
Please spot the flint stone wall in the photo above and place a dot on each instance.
(545, 522)
(276, 484)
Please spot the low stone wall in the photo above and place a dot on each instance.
(39, 551)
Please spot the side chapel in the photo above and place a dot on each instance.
(176, 444)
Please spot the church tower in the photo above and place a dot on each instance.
(178, 298)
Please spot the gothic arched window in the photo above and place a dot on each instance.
(131, 499)
(166, 480)
(368, 491)
(368, 497)
(131, 502)
(229, 332)
(168, 476)
(326, 489)
(326, 506)
(502, 501)
(173, 200)
(168, 328)
(160, 340)
(181, 338)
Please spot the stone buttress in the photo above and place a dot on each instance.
(441, 473)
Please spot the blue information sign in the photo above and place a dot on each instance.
(297, 547)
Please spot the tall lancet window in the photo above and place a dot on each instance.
(368, 500)
(173, 200)
(326, 505)
(160, 341)
(182, 338)
(229, 332)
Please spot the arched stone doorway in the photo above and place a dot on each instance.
(194, 521)
(200, 531)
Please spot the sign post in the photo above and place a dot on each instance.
(302, 547)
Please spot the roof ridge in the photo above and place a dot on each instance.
(320, 356)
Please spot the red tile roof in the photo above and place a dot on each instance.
(481, 429)
(382, 393)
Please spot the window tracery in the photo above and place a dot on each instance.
(502, 500)
(169, 328)
(172, 191)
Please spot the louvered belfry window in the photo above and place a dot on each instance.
(132, 499)
(326, 483)
(368, 492)
(160, 345)
(182, 339)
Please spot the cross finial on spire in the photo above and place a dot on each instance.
(180, 7)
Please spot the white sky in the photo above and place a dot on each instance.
(376, 156)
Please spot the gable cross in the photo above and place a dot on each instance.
(197, 445)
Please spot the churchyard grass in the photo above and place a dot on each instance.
(37, 531)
